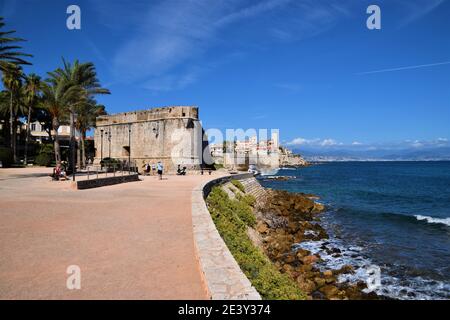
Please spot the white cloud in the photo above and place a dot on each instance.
(329, 143)
(414, 10)
(318, 143)
(313, 142)
(162, 37)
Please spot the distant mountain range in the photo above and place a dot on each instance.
(333, 154)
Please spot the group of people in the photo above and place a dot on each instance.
(154, 168)
(159, 168)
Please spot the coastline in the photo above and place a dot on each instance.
(283, 221)
(389, 216)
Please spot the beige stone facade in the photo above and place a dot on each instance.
(172, 135)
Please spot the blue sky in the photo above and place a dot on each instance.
(302, 66)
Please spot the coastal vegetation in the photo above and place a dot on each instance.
(67, 96)
(232, 218)
(238, 185)
(264, 235)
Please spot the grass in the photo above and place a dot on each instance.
(232, 217)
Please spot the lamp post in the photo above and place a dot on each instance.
(72, 144)
(129, 146)
(101, 148)
(109, 139)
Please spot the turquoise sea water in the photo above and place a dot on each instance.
(394, 215)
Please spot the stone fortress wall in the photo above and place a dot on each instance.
(171, 134)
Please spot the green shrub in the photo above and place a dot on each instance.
(46, 155)
(238, 185)
(218, 166)
(228, 216)
(247, 199)
(6, 157)
(44, 159)
(110, 162)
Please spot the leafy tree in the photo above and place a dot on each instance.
(31, 96)
(86, 114)
(9, 54)
(58, 98)
(12, 81)
(83, 76)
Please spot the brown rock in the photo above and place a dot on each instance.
(328, 273)
(306, 285)
(310, 259)
(320, 282)
(344, 269)
(262, 227)
(329, 291)
(302, 253)
(318, 207)
(306, 268)
(288, 268)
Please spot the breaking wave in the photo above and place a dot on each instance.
(428, 219)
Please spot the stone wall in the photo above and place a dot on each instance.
(221, 273)
(102, 182)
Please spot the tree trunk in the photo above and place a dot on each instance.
(80, 163)
(57, 150)
(12, 129)
(72, 158)
(56, 141)
(27, 138)
(83, 148)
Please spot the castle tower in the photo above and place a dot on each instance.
(172, 135)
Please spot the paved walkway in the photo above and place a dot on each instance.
(131, 241)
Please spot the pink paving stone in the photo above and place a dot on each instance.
(131, 241)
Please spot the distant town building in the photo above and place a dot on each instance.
(216, 149)
(38, 133)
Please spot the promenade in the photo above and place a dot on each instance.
(131, 241)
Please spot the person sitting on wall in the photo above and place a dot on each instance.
(56, 173)
(63, 175)
(147, 169)
(181, 172)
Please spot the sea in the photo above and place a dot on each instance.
(390, 221)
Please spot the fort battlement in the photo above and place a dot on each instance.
(154, 114)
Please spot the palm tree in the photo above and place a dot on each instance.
(12, 80)
(58, 99)
(31, 95)
(8, 49)
(86, 114)
(83, 75)
(4, 116)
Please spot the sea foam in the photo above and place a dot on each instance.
(428, 219)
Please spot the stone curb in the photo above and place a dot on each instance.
(223, 278)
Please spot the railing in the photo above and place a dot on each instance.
(117, 168)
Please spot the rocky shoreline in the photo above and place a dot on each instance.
(286, 219)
